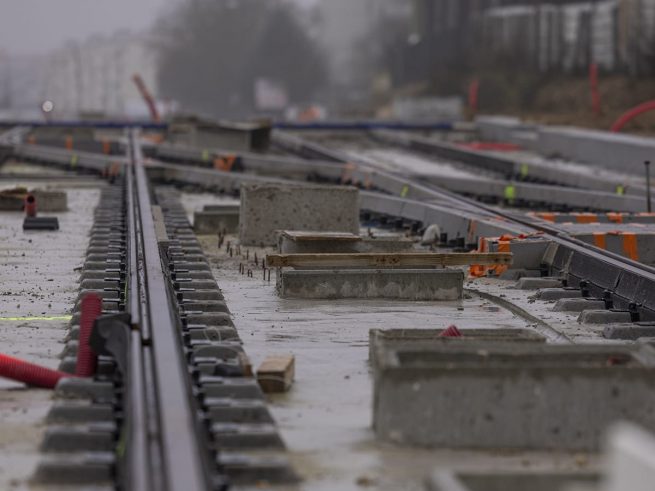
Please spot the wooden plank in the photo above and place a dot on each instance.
(386, 260)
(276, 373)
(299, 236)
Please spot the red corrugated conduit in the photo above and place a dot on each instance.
(29, 373)
(87, 360)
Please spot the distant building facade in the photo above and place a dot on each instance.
(96, 76)
(544, 35)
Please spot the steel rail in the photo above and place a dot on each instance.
(165, 428)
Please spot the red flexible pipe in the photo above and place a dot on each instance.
(629, 115)
(29, 373)
(87, 360)
(30, 205)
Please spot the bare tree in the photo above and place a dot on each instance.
(212, 51)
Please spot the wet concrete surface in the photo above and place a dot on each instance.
(39, 274)
(325, 419)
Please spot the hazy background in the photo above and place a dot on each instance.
(302, 59)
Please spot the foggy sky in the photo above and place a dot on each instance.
(38, 26)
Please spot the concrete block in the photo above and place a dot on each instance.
(630, 459)
(266, 208)
(50, 201)
(511, 395)
(292, 242)
(630, 331)
(385, 244)
(527, 253)
(255, 468)
(243, 436)
(298, 242)
(442, 480)
(538, 283)
(497, 128)
(384, 339)
(212, 222)
(211, 135)
(231, 205)
(620, 152)
(90, 468)
(548, 294)
(46, 200)
(403, 284)
(578, 304)
(604, 317)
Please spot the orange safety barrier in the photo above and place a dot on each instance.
(68, 142)
(549, 217)
(586, 217)
(475, 270)
(503, 246)
(226, 163)
(615, 217)
(600, 240)
(106, 147)
(478, 271)
(630, 248)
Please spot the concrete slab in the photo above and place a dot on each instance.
(509, 395)
(39, 286)
(293, 242)
(511, 481)
(407, 284)
(631, 332)
(383, 339)
(578, 304)
(538, 283)
(212, 222)
(550, 294)
(325, 420)
(270, 207)
(631, 459)
(603, 317)
(625, 153)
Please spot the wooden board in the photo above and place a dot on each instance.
(298, 236)
(276, 373)
(385, 260)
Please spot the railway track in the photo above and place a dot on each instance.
(397, 197)
(183, 412)
(172, 402)
(624, 284)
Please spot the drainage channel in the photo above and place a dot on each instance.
(170, 402)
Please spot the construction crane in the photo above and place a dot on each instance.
(147, 97)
